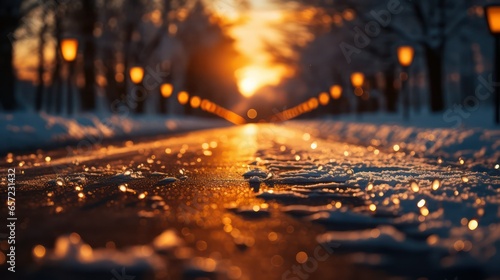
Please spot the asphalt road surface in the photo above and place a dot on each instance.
(124, 194)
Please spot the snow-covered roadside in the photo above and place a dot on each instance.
(22, 131)
(427, 136)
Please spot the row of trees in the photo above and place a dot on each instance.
(351, 36)
(176, 41)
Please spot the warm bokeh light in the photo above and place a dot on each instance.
(69, 49)
(252, 114)
(39, 251)
(313, 103)
(248, 86)
(357, 79)
(183, 97)
(136, 74)
(336, 91)
(473, 224)
(348, 15)
(405, 55)
(195, 102)
(493, 16)
(252, 78)
(166, 90)
(324, 98)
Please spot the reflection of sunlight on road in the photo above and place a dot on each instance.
(248, 142)
(250, 130)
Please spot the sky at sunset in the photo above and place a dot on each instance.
(252, 31)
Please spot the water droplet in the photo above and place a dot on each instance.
(414, 186)
(436, 184)
(421, 203)
(465, 179)
(314, 145)
(473, 224)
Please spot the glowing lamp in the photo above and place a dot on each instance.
(136, 74)
(195, 102)
(183, 97)
(166, 90)
(336, 91)
(252, 114)
(324, 98)
(493, 17)
(357, 79)
(405, 55)
(69, 49)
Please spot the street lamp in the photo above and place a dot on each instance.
(324, 98)
(493, 17)
(166, 90)
(195, 102)
(405, 57)
(136, 74)
(357, 80)
(69, 51)
(183, 97)
(336, 91)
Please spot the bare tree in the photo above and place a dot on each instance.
(10, 17)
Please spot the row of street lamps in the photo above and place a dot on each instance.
(69, 51)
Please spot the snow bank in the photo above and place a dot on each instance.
(427, 136)
(24, 130)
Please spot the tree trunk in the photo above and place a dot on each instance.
(41, 61)
(391, 94)
(112, 85)
(434, 59)
(56, 103)
(89, 54)
(9, 21)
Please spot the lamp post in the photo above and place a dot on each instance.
(166, 90)
(136, 74)
(493, 17)
(405, 57)
(357, 81)
(69, 51)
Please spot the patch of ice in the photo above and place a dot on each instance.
(166, 181)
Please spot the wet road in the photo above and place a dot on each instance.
(230, 226)
(78, 191)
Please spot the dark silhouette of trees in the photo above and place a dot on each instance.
(89, 20)
(427, 25)
(40, 90)
(10, 17)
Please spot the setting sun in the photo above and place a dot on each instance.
(255, 77)
(248, 86)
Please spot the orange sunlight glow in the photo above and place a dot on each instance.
(250, 34)
(254, 77)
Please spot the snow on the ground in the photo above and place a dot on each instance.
(25, 130)
(426, 135)
(149, 261)
(390, 208)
